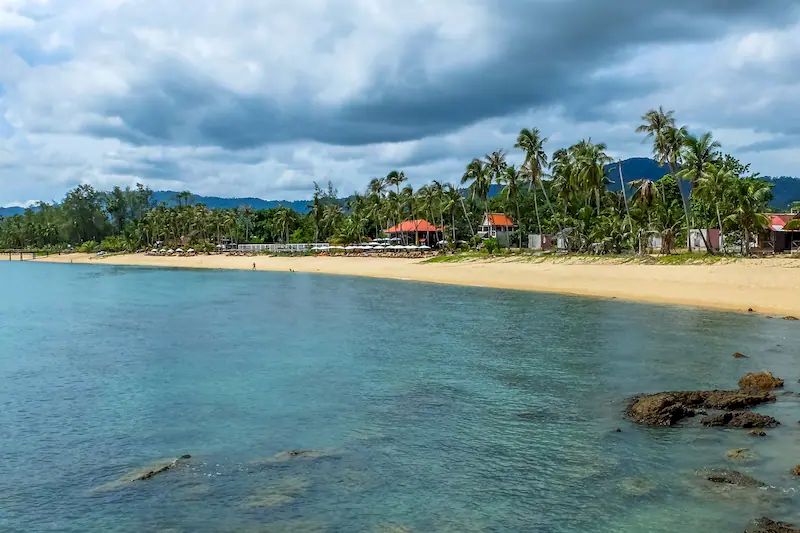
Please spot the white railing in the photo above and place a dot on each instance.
(290, 247)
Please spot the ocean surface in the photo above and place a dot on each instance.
(423, 407)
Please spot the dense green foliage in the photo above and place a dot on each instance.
(564, 194)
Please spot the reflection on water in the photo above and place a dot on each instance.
(416, 407)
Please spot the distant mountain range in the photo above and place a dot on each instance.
(785, 191)
(217, 202)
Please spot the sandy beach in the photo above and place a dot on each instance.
(768, 286)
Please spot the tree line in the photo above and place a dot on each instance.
(565, 193)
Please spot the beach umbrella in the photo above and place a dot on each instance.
(190, 250)
(154, 250)
(424, 247)
(179, 250)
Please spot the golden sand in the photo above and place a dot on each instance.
(770, 286)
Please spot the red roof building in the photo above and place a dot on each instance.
(410, 226)
(416, 231)
(496, 223)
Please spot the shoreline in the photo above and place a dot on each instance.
(767, 286)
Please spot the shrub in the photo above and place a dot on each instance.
(491, 245)
(87, 247)
(114, 243)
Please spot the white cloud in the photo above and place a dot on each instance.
(261, 98)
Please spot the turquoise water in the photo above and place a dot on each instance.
(433, 408)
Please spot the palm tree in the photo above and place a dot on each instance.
(478, 173)
(452, 200)
(668, 143)
(712, 185)
(590, 161)
(283, 221)
(698, 153)
(531, 142)
(752, 197)
(395, 178)
(511, 179)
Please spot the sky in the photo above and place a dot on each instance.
(261, 98)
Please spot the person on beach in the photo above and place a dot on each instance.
(254, 266)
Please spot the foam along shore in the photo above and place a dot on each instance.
(769, 286)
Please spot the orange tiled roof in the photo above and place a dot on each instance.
(499, 219)
(420, 225)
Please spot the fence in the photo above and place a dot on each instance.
(273, 248)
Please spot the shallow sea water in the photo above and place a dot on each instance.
(430, 408)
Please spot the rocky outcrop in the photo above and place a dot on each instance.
(759, 381)
(765, 525)
(796, 470)
(740, 419)
(159, 468)
(668, 408)
(739, 355)
(732, 477)
(790, 317)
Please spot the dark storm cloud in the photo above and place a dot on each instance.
(548, 54)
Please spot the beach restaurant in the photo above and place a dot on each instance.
(416, 231)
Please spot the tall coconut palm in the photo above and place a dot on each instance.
(590, 159)
(697, 153)
(395, 178)
(453, 200)
(479, 177)
(511, 179)
(531, 142)
(752, 198)
(712, 186)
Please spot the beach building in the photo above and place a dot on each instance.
(541, 241)
(784, 232)
(497, 226)
(695, 239)
(416, 231)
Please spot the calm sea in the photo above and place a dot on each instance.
(429, 408)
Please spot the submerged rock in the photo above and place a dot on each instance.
(766, 525)
(796, 470)
(758, 433)
(732, 477)
(759, 381)
(739, 355)
(740, 419)
(637, 486)
(790, 317)
(143, 474)
(290, 455)
(668, 408)
(158, 469)
(740, 455)
(281, 492)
